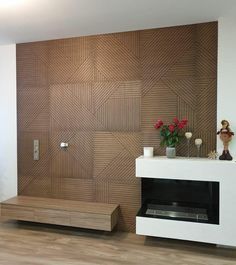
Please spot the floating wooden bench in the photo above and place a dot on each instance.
(91, 215)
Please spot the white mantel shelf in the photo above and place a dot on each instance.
(202, 169)
(199, 169)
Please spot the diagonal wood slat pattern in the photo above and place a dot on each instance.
(103, 94)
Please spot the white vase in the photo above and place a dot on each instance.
(170, 152)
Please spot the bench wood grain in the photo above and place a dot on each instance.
(92, 215)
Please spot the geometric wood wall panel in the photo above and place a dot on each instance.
(33, 109)
(102, 94)
(130, 40)
(74, 189)
(115, 60)
(65, 165)
(32, 65)
(129, 202)
(158, 102)
(106, 149)
(125, 111)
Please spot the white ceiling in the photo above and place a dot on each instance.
(33, 20)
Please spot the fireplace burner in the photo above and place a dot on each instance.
(194, 201)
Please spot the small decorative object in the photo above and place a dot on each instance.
(213, 155)
(170, 152)
(188, 136)
(198, 143)
(225, 136)
(64, 145)
(148, 151)
(171, 135)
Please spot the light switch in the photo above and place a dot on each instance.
(36, 149)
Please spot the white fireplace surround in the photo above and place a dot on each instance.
(198, 169)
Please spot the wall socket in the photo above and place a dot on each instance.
(36, 149)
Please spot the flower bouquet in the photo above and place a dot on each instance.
(171, 134)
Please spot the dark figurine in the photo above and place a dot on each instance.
(225, 136)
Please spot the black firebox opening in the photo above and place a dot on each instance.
(186, 200)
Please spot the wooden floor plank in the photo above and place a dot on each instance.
(24, 243)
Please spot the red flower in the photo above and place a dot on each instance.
(158, 124)
(176, 121)
(184, 121)
(171, 128)
(181, 125)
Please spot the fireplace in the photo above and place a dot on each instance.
(184, 200)
(187, 199)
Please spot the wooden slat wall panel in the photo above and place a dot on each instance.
(102, 94)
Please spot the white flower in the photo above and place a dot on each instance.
(198, 141)
(188, 135)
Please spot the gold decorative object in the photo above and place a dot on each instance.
(212, 155)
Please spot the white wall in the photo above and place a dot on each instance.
(8, 122)
(226, 94)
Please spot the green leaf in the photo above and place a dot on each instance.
(168, 133)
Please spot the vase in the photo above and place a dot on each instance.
(170, 152)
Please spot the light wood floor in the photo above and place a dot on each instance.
(33, 244)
